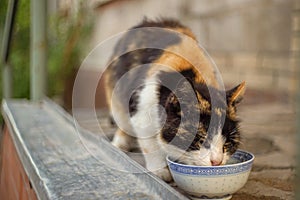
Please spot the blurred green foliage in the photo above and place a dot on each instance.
(67, 38)
(3, 8)
(19, 52)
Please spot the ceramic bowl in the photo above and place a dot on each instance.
(213, 182)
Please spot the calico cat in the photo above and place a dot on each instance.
(164, 94)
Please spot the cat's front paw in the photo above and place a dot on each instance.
(164, 174)
(122, 140)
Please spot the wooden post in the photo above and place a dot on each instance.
(38, 59)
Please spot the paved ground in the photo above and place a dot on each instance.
(270, 133)
(268, 127)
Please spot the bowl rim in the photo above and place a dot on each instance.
(216, 167)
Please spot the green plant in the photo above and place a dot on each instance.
(19, 51)
(67, 36)
(67, 40)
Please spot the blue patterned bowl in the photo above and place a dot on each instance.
(217, 182)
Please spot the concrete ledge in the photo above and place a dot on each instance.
(59, 162)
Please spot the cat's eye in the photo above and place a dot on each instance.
(224, 149)
(201, 140)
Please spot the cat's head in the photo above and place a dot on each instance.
(204, 131)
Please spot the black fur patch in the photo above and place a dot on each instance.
(134, 50)
(170, 80)
(212, 95)
(232, 134)
(131, 60)
(179, 86)
(133, 101)
(162, 23)
(149, 34)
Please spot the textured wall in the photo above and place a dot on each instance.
(249, 40)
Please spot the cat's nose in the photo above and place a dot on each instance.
(216, 157)
(216, 162)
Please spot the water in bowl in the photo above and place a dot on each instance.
(232, 160)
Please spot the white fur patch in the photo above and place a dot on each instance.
(146, 121)
(216, 148)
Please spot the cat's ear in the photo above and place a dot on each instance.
(235, 95)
